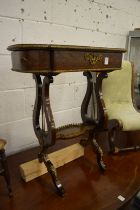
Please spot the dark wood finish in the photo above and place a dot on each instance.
(49, 60)
(95, 122)
(58, 58)
(86, 187)
(101, 114)
(86, 100)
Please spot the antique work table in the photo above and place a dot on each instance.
(44, 62)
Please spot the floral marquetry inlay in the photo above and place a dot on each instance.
(93, 59)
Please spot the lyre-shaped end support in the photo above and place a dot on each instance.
(45, 138)
(88, 120)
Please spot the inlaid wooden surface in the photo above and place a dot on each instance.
(86, 188)
(37, 58)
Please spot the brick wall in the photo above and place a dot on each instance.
(102, 23)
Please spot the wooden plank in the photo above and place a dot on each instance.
(32, 169)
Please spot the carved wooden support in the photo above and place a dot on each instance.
(88, 120)
(84, 107)
(46, 138)
(99, 97)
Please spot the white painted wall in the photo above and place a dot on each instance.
(103, 23)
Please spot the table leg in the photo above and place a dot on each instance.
(99, 154)
(88, 120)
(45, 138)
(84, 107)
(101, 112)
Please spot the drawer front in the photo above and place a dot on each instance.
(83, 61)
(44, 61)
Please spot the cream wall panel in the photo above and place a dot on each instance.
(78, 13)
(10, 8)
(53, 33)
(62, 97)
(10, 33)
(11, 105)
(79, 93)
(19, 135)
(67, 117)
(31, 9)
(127, 6)
(69, 78)
(137, 22)
(36, 10)
(29, 101)
(91, 15)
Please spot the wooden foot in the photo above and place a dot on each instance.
(52, 171)
(99, 155)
